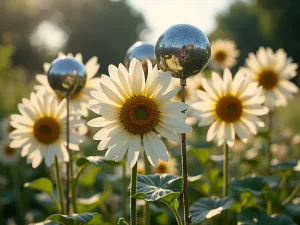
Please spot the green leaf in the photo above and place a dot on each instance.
(202, 155)
(209, 207)
(121, 221)
(252, 184)
(285, 166)
(91, 203)
(75, 219)
(159, 187)
(94, 160)
(41, 184)
(292, 209)
(88, 177)
(254, 216)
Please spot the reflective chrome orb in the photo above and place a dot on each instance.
(67, 76)
(182, 49)
(141, 51)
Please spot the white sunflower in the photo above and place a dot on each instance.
(272, 72)
(169, 167)
(8, 155)
(6, 128)
(40, 129)
(79, 102)
(223, 54)
(231, 106)
(193, 84)
(135, 112)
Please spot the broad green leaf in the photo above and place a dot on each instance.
(209, 207)
(196, 178)
(91, 203)
(254, 216)
(285, 166)
(121, 221)
(41, 184)
(254, 185)
(75, 219)
(202, 155)
(88, 177)
(94, 160)
(162, 187)
(217, 158)
(293, 209)
(272, 181)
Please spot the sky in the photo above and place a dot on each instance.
(161, 14)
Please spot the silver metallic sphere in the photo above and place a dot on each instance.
(182, 49)
(67, 76)
(141, 51)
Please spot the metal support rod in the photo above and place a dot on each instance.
(70, 159)
(184, 163)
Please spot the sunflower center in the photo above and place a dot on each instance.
(200, 87)
(10, 128)
(268, 79)
(161, 168)
(220, 56)
(140, 171)
(46, 130)
(8, 151)
(73, 97)
(187, 94)
(139, 115)
(229, 108)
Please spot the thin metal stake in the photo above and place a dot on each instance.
(184, 163)
(70, 159)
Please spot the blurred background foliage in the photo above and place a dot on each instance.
(34, 31)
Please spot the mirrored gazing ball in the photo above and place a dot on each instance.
(67, 76)
(141, 51)
(182, 49)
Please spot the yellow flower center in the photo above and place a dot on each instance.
(161, 167)
(8, 151)
(220, 56)
(140, 170)
(268, 79)
(73, 97)
(229, 108)
(139, 114)
(200, 87)
(46, 130)
(10, 128)
(187, 94)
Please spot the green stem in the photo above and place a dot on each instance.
(55, 202)
(73, 187)
(58, 183)
(291, 196)
(146, 207)
(124, 191)
(177, 216)
(16, 184)
(225, 178)
(269, 207)
(269, 142)
(133, 185)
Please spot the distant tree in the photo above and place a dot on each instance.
(241, 24)
(95, 27)
(257, 23)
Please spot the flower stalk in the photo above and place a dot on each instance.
(269, 142)
(146, 207)
(16, 184)
(225, 178)
(59, 186)
(133, 185)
